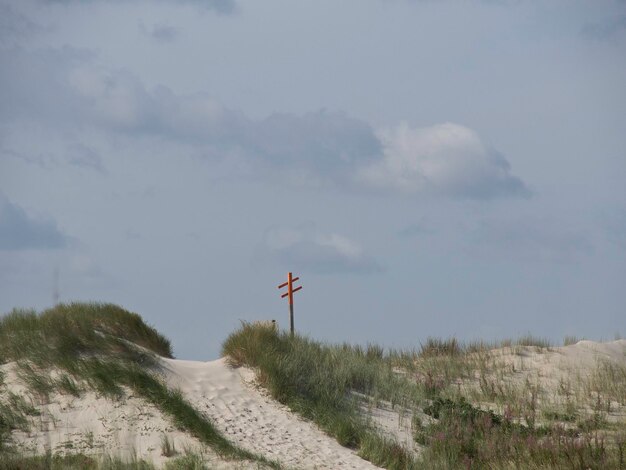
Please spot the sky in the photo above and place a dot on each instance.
(427, 168)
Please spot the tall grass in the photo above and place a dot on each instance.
(108, 350)
(317, 381)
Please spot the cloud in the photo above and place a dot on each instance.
(224, 7)
(445, 159)
(161, 32)
(34, 85)
(320, 148)
(605, 30)
(533, 238)
(19, 231)
(307, 249)
(421, 228)
(14, 26)
(324, 142)
(83, 156)
(613, 222)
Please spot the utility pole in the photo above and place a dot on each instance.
(289, 293)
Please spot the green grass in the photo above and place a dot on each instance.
(95, 346)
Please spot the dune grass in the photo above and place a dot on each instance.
(96, 346)
(317, 382)
(325, 383)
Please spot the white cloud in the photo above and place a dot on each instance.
(445, 159)
(307, 249)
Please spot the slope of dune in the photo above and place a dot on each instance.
(95, 380)
(131, 428)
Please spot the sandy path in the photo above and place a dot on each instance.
(252, 420)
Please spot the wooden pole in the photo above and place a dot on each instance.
(289, 295)
(290, 290)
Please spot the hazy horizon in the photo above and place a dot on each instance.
(426, 168)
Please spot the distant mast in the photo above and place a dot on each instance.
(55, 286)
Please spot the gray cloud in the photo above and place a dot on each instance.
(83, 156)
(605, 30)
(418, 229)
(161, 32)
(224, 7)
(318, 148)
(14, 26)
(530, 238)
(316, 252)
(19, 231)
(36, 85)
(325, 143)
(614, 224)
(164, 33)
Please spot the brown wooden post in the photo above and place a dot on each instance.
(289, 295)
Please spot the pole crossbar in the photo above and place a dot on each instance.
(289, 293)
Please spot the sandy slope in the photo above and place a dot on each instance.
(248, 417)
(92, 424)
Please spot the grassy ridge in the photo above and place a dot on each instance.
(95, 346)
(324, 382)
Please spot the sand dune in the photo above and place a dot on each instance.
(246, 415)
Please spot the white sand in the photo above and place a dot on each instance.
(125, 428)
(248, 417)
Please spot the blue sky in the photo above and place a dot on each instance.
(426, 168)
